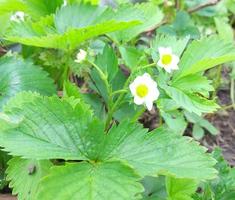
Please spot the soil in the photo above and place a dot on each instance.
(224, 121)
(7, 197)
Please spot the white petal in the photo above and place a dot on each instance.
(149, 105)
(132, 87)
(146, 76)
(164, 50)
(160, 64)
(168, 69)
(175, 59)
(138, 100)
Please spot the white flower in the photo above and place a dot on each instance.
(145, 91)
(18, 16)
(81, 56)
(65, 3)
(168, 60)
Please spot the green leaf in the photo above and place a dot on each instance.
(191, 102)
(224, 29)
(182, 27)
(91, 181)
(159, 152)
(34, 8)
(107, 62)
(24, 176)
(131, 56)
(55, 32)
(194, 83)
(180, 189)
(200, 55)
(11, 5)
(148, 13)
(3, 166)
(193, 118)
(175, 121)
(154, 188)
(51, 128)
(22, 75)
(198, 132)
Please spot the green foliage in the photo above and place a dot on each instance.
(35, 8)
(148, 13)
(182, 27)
(55, 32)
(88, 143)
(180, 189)
(200, 56)
(24, 176)
(3, 166)
(131, 56)
(223, 187)
(199, 124)
(50, 128)
(154, 188)
(22, 75)
(91, 181)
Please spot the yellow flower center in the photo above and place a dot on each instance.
(166, 59)
(142, 90)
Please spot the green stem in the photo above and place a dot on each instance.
(217, 80)
(105, 79)
(118, 92)
(228, 107)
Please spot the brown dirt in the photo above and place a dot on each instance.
(7, 197)
(224, 120)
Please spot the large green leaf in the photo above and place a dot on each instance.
(18, 75)
(91, 181)
(48, 127)
(82, 22)
(204, 54)
(148, 13)
(51, 128)
(24, 176)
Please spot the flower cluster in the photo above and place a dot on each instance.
(144, 88)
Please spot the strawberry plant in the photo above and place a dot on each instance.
(77, 78)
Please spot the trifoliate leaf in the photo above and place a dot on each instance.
(204, 54)
(50, 128)
(18, 75)
(24, 176)
(91, 181)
